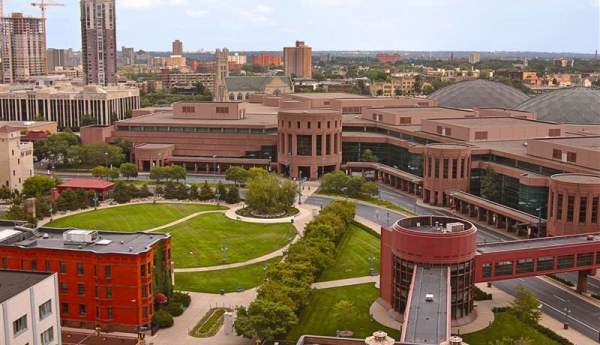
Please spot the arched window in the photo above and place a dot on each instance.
(247, 96)
(231, 97)
(240, 96)
(277, 92)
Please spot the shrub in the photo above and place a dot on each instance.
(181, 297)
(174, 308)
(163, 319)
(482, 296)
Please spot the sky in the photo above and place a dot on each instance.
(417, 25)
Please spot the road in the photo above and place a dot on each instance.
(584, 317)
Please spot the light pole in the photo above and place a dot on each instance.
(371, 265)
(539, 229)
(215, 163)
(224, 249)
(95, 200)
(567, 316)
(300, 188)
(106, 159)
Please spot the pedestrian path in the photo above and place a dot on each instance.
(182, 220)
(346, 282)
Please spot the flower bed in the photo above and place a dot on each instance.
(210, 324)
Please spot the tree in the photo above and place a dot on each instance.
(369, 189)
(526, 306)
(55, 147)
(334, 182)
(233, 195)
(175, 172)
(369, 156)
(489, 184)
(237, 174)
(194, 193)
(5, 193)
(101, 154)
(121, 193)
(158, 173)
(113, 173)
(128, 170)
(87, 120)
(206, 193)
(343, 313)
(268, 194)
(427, 89)
(221, 191)
(100, 171)
(265, 319)
(37, 186)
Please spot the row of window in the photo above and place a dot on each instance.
(582, 212)
(547, 263)
(20, 326)
(197, 129)
(309, 124)
(558, 154)
(450, 168)
(304, 146)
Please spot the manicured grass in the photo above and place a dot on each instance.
(352, 259)
(507, 326)
(230, 280)
(316, 318)
(131, 218)
(199, 241)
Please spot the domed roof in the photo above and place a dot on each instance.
(576, 105)
(479, 94)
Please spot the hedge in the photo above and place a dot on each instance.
(210, 323)
(174, 308)
(163, 319)
(182, 297)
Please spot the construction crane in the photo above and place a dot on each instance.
(43, 4)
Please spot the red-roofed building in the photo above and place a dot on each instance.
(91, 185)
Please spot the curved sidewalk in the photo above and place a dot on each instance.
(182, 220)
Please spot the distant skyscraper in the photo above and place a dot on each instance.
(177, 47)
(99, 38)
(298, 60)
(60, 58)
(474, 58)
(222, 72)
(23, 47)
(128, 55)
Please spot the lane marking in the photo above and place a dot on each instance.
(560, 298)
(570, 317)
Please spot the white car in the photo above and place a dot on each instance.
(429, 297)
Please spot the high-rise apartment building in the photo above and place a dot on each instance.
(222, 72)
(298, 61)
(99, 41)
(128, 56)
(177, 47)
(23, 47)
(16, 158)
(60, 58)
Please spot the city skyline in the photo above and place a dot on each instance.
(270, 25)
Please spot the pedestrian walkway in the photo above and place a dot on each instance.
(346, 282)
(182, 220)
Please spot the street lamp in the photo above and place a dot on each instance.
(567, 316)
(300, 188)
(215, 163)
(539, 229)
(224, 249)
(106, 159)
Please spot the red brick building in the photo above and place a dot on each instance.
(267, 60)
(106, 279)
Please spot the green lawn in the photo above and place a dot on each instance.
(507, 325)
(352, 259)
(316, 318)
(199, 241)
(130, 218)
(230, 280)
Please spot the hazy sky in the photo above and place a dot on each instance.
(486, 25)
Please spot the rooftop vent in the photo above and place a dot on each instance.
(455, 341)
(80, 236)
(455, 227)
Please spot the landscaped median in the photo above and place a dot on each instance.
(225, 281)
(210, 324)
(133, 217)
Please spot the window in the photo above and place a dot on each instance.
(565, 261)
(82, 310)
(319, 124)
(222, 110)
(110, 313)
(437, 168)
(328, 144)
(487, 270)
(96, 294)
(454, 168)
(144, 291)
(525, 266)
(47, 266)
(571, 157)
(64, 307)
(107, 272)
(20, 325)
(335, 143)
(439, 130)
(109, 292)
(4, 262)
(504, 268)
(328, 124)
(308, 124)
(62, 267)
(556, 154)
(81, 289)
(559, 206)
(304, 145)
(47, 336)
(319, 145)
(555, 132)
(289, 146)
(429, 167)
(405, 120)
(45, 309)
(545, 263)
(143, 270)
(80, 268)
(462, 168)
(34, 265)
(595, 204)
(188, 109)
(582, 210)
(298, 124)
(446, 167)
(585, 259)
(481, 135)
(570, 208)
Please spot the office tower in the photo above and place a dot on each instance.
(60, 58)
(222, 72)
(298, 61)
(128, 56)
(99, 37)
(178, 48)
(23, 48)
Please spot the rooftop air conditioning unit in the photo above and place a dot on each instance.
(455, 227)
(80, 236)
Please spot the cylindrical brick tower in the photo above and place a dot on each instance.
(310, 142)
(573, 204)
(427, 241)
(446, 167)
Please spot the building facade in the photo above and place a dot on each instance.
(99, 41)
(221, 73)
(267, 60)
(105, 279)
(60, 58)
(16, 158)
(177, 48)
(29, 308)
(23, 48)
(128, 56)
(68, 104)
(297, 61)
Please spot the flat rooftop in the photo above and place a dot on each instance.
(548, 242)
(590, 143)
(485, 122)
(13, 283)
(578, 178)
(427, 322)
(168, 119)
(107, 243)
(328, 95)
(424, 111)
